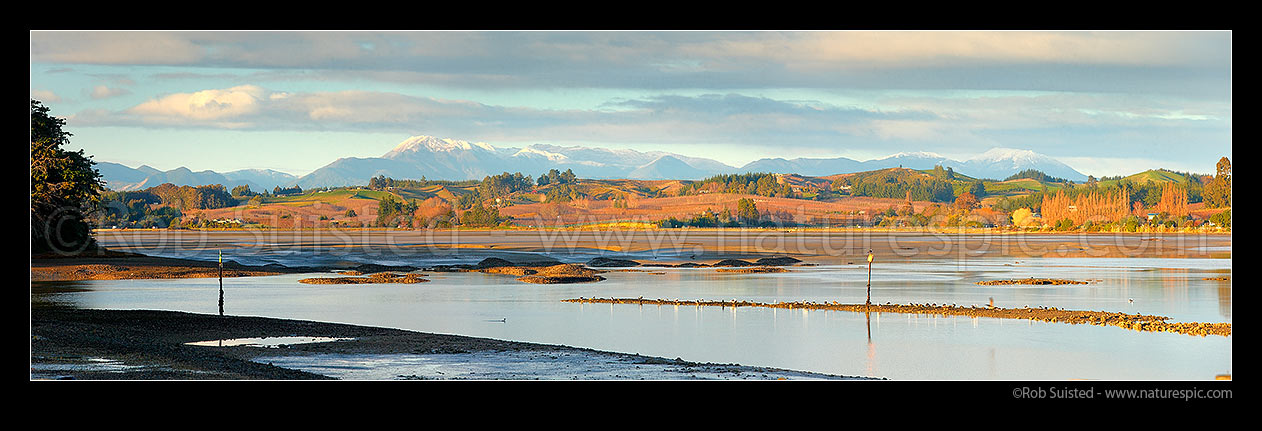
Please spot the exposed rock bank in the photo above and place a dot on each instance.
(377, 278)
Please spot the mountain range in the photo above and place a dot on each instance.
(121, 178)
(450, 159)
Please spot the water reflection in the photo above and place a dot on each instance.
(1224, 300)
(270, 342)
(867, 318)
(912, 347)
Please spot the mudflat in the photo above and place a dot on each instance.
(112, 265)
(82, 344)
(154, 339)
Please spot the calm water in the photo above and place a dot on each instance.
(896, 346)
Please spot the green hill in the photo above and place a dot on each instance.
(1020, 186)
(1157, 175)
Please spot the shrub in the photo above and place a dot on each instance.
(1064, 225)
(1222, 219)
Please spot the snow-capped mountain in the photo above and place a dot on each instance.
(430, 144)
(452, 159)
(1000, 163)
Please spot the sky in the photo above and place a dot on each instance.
(1106, 103)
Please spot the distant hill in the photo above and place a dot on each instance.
(451, 159)
(666, 168)
(120, 177)
(1158, 176)
(263, 178)
(997, 163)
(805, 166)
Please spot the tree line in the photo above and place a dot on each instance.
(158, 206)
(382, 182)
(746, 215)
(758, 184)
(897, 183)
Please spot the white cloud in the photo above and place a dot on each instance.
(105, 92)
(925, 48)
(205, 105)
(45, 96)
(718, 59)
(114, 47)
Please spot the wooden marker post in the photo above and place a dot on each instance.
(870, 257)
(221, 283)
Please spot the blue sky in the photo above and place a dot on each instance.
(1106, 103)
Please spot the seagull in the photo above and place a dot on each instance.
(1130, 300)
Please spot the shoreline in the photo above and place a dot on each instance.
(87, 344)
(146, 344)
(70, 343)
(605, 226)
(115, 265)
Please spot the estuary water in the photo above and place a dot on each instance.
(890, 345)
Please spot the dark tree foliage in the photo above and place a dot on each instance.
(479, 216)
(1033, 201)
(139, 208)
(1037, 175)
(189, 197)
(746, 211)
(503, 184)
(382, 181)
(468, 200)
(64, 188)
(493, 187)
(1222, 218)
(760, 184)
(1218, 192)
(242, 191)
(160, 205)
(393, 212)
(286, 191)
(564, 193)
(554, 176)
(978, 189)
(895, 183)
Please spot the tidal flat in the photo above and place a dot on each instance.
(1184, 277)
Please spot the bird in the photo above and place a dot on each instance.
(1130, 300)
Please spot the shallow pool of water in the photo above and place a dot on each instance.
(270, 342)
